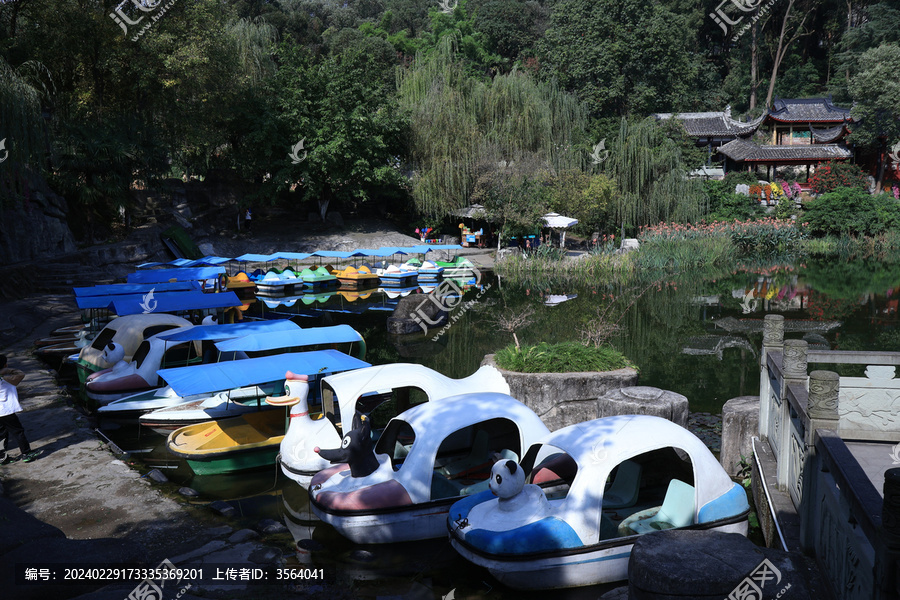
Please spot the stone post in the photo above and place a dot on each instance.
(793, 368)
(887, 558)
(822, 407)
(773, 339)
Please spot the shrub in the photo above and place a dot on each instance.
(725, 205)
(564, 357)
(852, 211)
(833, 175)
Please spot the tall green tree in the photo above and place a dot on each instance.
(460, 123)
(876, 92)
(22, 147)
(344, 111)
(651, 177)
(622, 57)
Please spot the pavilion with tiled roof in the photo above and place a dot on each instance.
(800, 132)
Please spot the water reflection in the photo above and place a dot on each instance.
(695, 333)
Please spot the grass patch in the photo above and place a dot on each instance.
(564, 357)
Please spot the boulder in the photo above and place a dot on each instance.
(562, 399)
(644, 400)
(740, 422)
(417, 313)
(707, 565)
(34, 228)
(508, 252)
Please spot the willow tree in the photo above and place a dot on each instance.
(22, 145)
(651, 177)
(460, 123)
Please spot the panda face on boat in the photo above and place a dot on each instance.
(507, 479)
(113, 353)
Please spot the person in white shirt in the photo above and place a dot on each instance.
(11, 429)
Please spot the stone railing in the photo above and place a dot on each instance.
(804, 419)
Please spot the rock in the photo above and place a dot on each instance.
(157, 476)
(413, 345)
(742, 188)
(644, 400)
(265, 555)
(36, 227)
(18, 527)
(628, 244)
(223, 508)
(219, 531)
(450, 239)
(620, 593)
(243, 535)
(816, 341)
(207, 248)
(562, 399)
(188, 492)
(314, 217)
(508, 252)
(270, 526)
(335, 218)
(707, 565)
(417, 313)
(740, 422)
(309, 545)
(362, 556)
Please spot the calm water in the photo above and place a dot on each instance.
(697, 334)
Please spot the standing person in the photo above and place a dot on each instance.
(11, 429)
(248, 219)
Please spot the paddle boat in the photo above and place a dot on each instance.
(356, 278)
(190, 345)
(426, 459)
(318, 277)
(459, 266)
(257, 377)
(251, 440)
(128, 332)
(278, 283)
(209, 390)
(239, 282)
(363, 387)
(428, 271)
(569, 514)
(398, 277)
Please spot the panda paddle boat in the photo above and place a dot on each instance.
(308, 428)
(569, 514)
(426, 459)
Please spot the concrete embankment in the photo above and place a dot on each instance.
(78, 503)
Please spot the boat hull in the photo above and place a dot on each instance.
(257, 459)
(416, 522)
(593, 565)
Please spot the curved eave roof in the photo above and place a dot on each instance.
(744, 151)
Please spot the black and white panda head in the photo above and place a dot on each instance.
(507, 479)
(113, 353)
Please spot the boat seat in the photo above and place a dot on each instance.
(677, 510)
(478, 457)
(441, 487)
(485, 484)
(624, 489)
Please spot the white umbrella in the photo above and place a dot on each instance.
(559, 222)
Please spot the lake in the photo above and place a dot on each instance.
(696, 333)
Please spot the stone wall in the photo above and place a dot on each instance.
(562, 399)
(34, 229)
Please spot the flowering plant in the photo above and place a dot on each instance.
(832, 175)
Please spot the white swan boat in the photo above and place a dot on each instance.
(300, 463)
(602, 484)
(426, 459)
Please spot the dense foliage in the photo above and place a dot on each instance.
(422, 107)
(852, 211)
(833, 175)
(564, 357)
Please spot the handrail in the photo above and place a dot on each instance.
(853, 357)
(855, 487)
